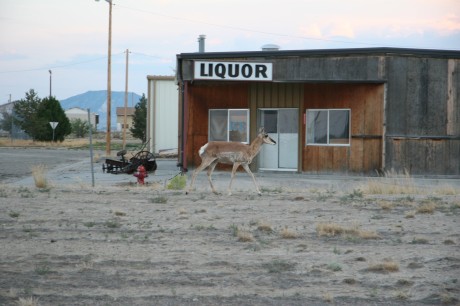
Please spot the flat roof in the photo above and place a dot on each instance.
(324, 52)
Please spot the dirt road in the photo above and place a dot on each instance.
(297, 244)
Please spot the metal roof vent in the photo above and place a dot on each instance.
(201, 39)
(270, 47)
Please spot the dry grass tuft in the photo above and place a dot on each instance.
(447, 190)
(31, 301)
(327, 297)
(392, 182)
(332, 229)
(244, 236)
(384, 267)
(39, 175)
(410, 214)
(385, 205)
(264, 226)
(329, 229)
(288, 234)
(426, 208)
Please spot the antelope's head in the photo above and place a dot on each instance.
(265, 138)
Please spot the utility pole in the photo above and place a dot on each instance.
(126, 101)
(50, 81)
(109, 85)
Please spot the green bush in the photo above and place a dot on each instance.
(177, 183)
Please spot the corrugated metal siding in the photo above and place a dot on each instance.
(166, 115)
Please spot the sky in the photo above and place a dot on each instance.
(70, 38)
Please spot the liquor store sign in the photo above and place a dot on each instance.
(233, 71)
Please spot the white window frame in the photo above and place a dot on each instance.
(229, 111)
(328, 126)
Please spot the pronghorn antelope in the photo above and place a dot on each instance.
(235, 153)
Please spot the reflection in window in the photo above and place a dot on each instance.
(229, 125)
(328, 127)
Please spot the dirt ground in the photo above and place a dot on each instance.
(376, 242)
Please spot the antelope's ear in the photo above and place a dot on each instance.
(261, 130)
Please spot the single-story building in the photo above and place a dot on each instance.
(82, 114)
(162, 114)
(359, 111)
(120, 112)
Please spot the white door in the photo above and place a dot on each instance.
(281, 125)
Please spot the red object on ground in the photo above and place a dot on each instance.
(141, 174)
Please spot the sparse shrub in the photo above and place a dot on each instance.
(334, 267)
(419, 241)
(112, 223)
(39, 175)
(13, 214)
(177, 183)
(278, 266)
(159, 200)
(42, 268)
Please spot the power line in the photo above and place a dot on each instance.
(60, 66)
(247, 29)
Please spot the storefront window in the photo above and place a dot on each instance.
(328, 127)
(229, 125)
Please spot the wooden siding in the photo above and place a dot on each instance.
(366, 104)
(423, 116)
(203, 97)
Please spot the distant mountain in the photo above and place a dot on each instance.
(96, 101)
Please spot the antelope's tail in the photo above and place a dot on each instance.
(202, 150)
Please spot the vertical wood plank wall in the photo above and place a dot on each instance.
(203, 97)
(274, 95)
(366, 104)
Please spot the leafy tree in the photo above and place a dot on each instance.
(51, 110)
(79, 127)
(26, 112)
(140, 119)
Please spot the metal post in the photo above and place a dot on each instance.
(126, 102)
(91, 146)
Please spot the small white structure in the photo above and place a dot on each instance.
(162, 114)
(82, 114)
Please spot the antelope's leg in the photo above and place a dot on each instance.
(210, 170)
(246, 167)
(235, 167)
(204, 163)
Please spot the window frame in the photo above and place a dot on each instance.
(328, 143)
(229, 111)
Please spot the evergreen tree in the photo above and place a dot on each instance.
(140, 119)
(50, 110)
